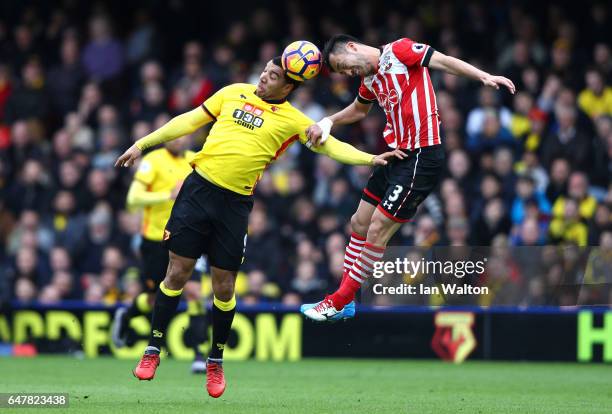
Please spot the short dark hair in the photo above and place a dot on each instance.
(334, 45)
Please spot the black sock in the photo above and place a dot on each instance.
(133, 311)
(196, 333)
(163, 310)
(136, 309)
(222, 324)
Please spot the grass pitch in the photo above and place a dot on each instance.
(319, 386)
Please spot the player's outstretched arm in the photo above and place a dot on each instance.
(177, 127)
(347, 154)
(355, 112)
(458, 67)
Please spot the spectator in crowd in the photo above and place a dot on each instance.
(529, 234)
(601, 170)
(303, 100)
(596, 99)
(569, 227)
(66, 78)
(503, 159)
(30, 99)
(600, 223)
(598, 272)
(259, 290)
(492, 135)
(193, 85)
(568, 141)
(103, 55)
(488, 102)
(264, 257)
(602, 57)
(426, 233)
(559, 175)
(578, 191)
(526, 191)
(493, 221)
(520, 125)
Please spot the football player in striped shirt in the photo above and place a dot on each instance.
(396, 76)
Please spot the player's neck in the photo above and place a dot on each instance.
(175, 154)
(276, 100)
(373, 55)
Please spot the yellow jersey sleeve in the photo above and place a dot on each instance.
(180, 125)
(214, 104)
(333, 148)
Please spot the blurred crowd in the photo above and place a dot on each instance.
(79, 83)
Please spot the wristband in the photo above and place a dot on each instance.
(325, 124)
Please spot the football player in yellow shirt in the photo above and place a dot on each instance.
(154, 188)
(253, 126)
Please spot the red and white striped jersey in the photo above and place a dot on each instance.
(403, 88)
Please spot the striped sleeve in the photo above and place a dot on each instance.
(365, 96)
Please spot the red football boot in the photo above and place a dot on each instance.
(145, 370)
(215, 380)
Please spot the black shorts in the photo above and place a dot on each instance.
(155, 264)
(399, 187)
(207, 219)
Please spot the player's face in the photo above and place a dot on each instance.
(272, 83)
(179, 145)
(351, 61)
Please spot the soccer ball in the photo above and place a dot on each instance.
(302, 60)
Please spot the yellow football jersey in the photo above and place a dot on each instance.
(160, 171)
(249, 134)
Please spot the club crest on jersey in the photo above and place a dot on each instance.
(388, 100)
(418, 47)
(386, 63)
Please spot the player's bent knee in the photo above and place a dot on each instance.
(179, 271)
(223, 282)
(380, 230)
(358, 224)
(223, 290)
(375, 230)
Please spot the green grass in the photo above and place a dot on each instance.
(318, 386)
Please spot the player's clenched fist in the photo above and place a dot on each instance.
(128, 157)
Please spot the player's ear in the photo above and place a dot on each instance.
(288, 88)
(351, 46)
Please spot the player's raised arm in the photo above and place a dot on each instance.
(347, 154)
(355, 112)
(177, 127)
(458, 67)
